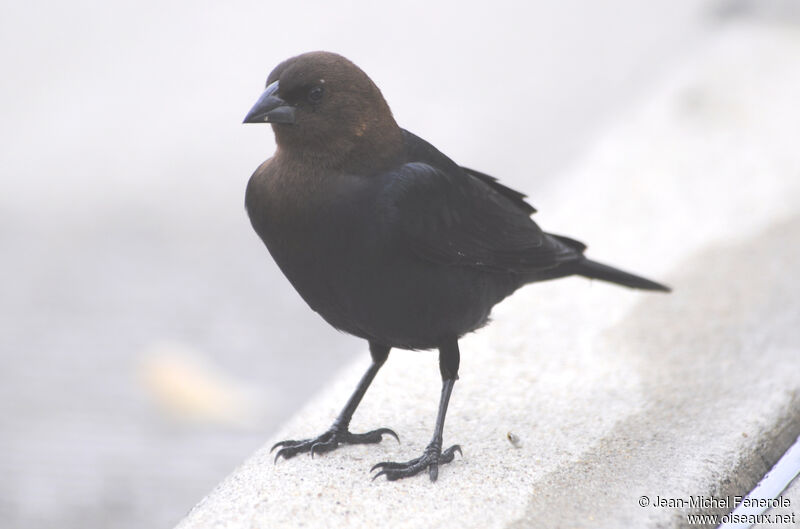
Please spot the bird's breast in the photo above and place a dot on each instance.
(313, 225)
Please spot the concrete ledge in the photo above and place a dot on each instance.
(615, 395)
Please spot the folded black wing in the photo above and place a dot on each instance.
(449, 216)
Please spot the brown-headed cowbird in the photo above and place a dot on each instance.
(386, 237)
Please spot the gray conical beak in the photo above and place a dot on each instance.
(270, 108)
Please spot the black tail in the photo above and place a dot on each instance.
(595, 270)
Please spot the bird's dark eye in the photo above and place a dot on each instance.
(315, 94)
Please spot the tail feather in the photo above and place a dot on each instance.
(595, 270)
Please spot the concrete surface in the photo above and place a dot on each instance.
(615, 395)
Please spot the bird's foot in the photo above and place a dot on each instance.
(431, 458)
(329, 441)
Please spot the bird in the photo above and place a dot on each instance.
(387, 238)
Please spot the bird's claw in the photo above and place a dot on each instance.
(329, 441)
(430, 459)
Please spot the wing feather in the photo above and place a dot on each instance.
(452, 217)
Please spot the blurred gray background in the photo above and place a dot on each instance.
(148, 342)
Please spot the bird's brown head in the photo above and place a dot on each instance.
(325, 108)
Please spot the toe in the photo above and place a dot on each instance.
(388, 431)
(388, 465)
(284, 443)
(375, 436)
(433, 471)
(449, 454)
(321, 447)
(286, 453)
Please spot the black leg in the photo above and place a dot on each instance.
(433, 455)
(338, 432)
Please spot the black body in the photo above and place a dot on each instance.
(386, 237)
(417, 252)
